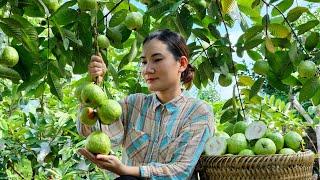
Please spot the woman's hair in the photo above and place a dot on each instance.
(178, 47)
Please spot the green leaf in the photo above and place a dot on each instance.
(307, 26)
(291, 81)
(197, 80)
(312, 41)
(21, 29)
(114, 74)
(201, 33)
(130, 56)
(65, 33)
(160, 9)
(252, 43)
(256, 87)
(227, 6)
(9, 73)
(296, 12)
(245, 81)
(214, 31)
(228, 103)
(316, 98)
(278, 30)
(65, 16)
(316, 1)
(228, 116)
(255, 3)
(309, 89)
(184, 22)
(118, 18)
(282, 6)
(254, 55)
(55, 86)
(252, 32)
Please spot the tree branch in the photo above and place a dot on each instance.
(233, 65)
(300, 109)
(105, 16)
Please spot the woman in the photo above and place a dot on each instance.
(162, 134)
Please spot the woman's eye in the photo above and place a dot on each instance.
(156, 60)
(144, 62)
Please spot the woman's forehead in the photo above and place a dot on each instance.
(154, 47)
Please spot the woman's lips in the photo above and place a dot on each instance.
(150, 80)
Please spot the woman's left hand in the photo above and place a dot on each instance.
(108, 162)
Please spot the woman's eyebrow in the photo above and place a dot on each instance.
(155, 54)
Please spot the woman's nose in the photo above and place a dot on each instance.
(149, 69)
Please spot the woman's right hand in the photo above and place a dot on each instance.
(97, 68)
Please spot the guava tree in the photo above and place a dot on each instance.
(55, 39)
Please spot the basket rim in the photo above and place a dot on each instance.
(307, 151)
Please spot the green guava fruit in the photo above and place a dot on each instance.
(277, 138)
(240, 127)
(52, 5)
(9, 57)
(222, 134)
(87, 5)
(287, 151)
(78, 90)
(134, 20)
(261, 67)
(103, 41)
(293, 140)
(98, 143)
(307, 69)
(246, 152)
(225, 80)
(87, 116)
(109, 112)
(264, 146)
(215, 146)
(93, 95)
(237, 143)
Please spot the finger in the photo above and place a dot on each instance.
(96, 64)
(103, 157)
(87, 154)
(96, 58)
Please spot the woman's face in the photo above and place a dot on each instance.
(160, 70)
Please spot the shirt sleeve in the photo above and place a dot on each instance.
(115, 131)
(190, 145)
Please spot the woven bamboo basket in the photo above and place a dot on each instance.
(275, 167)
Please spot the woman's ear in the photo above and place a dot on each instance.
(183, 63)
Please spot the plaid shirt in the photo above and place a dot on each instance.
(164, 140)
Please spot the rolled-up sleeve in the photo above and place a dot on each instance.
(189, 146)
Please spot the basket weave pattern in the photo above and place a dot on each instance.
(276, 167)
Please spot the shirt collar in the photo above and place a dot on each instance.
(171, 106)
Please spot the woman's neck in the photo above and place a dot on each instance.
(169, 94)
